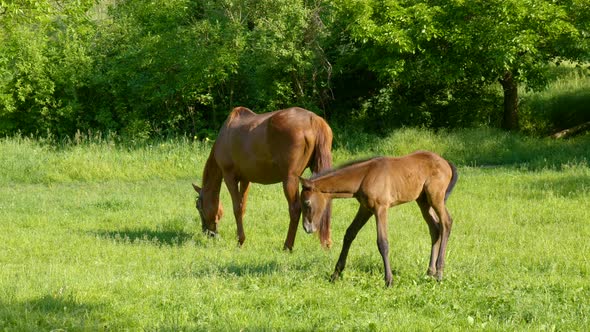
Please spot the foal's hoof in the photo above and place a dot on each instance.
(334, 276)
(438, 275)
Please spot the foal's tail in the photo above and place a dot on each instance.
(453, 181)
(321, 161)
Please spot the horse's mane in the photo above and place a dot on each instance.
(336, 169)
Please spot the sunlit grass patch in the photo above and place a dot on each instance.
(120, 248)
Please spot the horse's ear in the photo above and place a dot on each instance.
(197, 188)
(305, 184)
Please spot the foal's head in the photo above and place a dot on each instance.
(313, 204)
(210, 215)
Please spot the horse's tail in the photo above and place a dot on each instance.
(321, 161)
(322, 150)
(453, 181)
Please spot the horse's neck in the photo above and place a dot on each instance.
(343, 182)
(212, 178)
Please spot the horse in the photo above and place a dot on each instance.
(378, 184)
(264, 148)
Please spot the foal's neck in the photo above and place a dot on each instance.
(342, 182)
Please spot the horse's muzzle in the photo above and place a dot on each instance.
(210, 233)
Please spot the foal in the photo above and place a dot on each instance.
(378, 184)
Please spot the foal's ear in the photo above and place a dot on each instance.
(197, 188)
(305, 184)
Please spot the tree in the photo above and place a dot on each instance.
(449, 46)
(182, 65)
(43, 59)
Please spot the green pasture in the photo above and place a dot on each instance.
(98, 235)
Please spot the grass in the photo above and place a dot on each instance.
(98, 236)
(562, 104)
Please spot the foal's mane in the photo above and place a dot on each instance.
(345, 165)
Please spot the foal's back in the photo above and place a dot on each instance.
(395, 180)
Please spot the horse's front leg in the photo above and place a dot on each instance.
(383, 244)
(291, 190)
(239, 194)
(361, 218)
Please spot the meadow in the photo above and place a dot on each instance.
(99, 235)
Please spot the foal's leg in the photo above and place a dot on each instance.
(239, 194)
(434, 228)
(446, 224)
(383, 244)
(291, 190)
(361, 218)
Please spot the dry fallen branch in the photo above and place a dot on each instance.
(572, 131)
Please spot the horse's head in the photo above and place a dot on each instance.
(210, 214)
(313, 204)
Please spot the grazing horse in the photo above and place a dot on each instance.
(264, 148)
(381, 183)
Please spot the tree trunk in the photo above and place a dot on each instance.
(510, 116)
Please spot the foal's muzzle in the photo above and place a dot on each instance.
(309, 227)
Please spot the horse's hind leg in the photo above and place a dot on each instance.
(434, 228)
(244, 189)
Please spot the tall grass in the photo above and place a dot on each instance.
(29, 160)
(99, 236)
(469, 147)
(563, 104)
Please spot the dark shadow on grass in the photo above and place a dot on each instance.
(569, 186)
(252, 269)
(370, 266)
(48, 313)
(231, 269)
(163, 238)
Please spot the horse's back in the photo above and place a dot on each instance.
(263, 147)
(285, 120)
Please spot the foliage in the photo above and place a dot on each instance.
(106, 237)
(144, 69)
(563, 104)
(437, 57)
(43, 62)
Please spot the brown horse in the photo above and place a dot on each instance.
(379, 184)
(264, 148)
